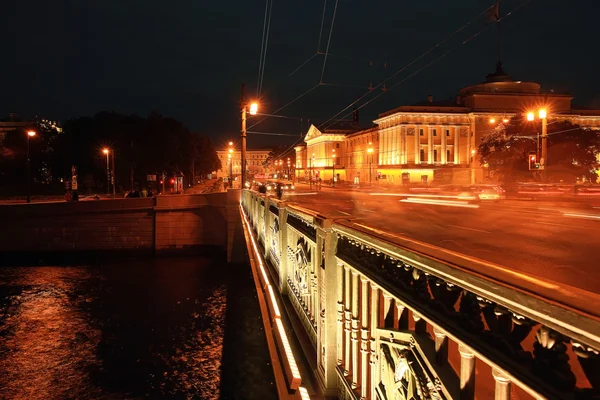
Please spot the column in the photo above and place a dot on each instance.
(456, 145)
(403, 145)
(374, 324)
(467, 373)
(267, 224)
(502, 389)
(364, 344)
(395, 146)
(283, 259)
(355, 334)
(417, 145)
(441, 346)
(444, 140)
(347, 321)
(429, 145)
(328, 339)
(339, 270)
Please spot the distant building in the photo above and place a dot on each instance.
(12, 123)
(254, 162)
(432, 140)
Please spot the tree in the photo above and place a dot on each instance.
(269, 163)
(205, 157)
(572, 151)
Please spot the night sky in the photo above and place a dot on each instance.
(187, 59)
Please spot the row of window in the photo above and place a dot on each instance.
(433, 132)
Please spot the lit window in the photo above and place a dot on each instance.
(421, 132)
(434, 131)
(447, 132)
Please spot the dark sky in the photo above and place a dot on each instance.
(187, 59)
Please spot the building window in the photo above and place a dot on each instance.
(422, 155)
(337, 145)
(421, 132)
(435, 156)
(448, 156)
(447, 132)
(434, 132)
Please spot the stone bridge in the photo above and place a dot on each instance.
(387, 320)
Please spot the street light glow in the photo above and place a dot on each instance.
(31, 133)
(530, 116)
(542, 113)
(505, 120)
(492, 120)
(253, 108)
(105, 151)
(230, 150)
(231, 143)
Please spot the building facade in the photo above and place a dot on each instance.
(435, 141)
(231, 163)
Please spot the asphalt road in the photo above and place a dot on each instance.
(559, 242)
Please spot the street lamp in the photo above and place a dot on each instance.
(370, 151)
(542, 114)
(30, 134)
(333, 166)
(312, 162)
(230, 160)
(106, 151)
(253, 111)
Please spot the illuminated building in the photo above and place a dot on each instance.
(254, 158)
(438, 140)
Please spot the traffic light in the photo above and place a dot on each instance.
(533, 164)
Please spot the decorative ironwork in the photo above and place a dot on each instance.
(302, 226)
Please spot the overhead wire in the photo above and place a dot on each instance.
(432, 62)
(273, 133)
(412, 62)
(329, 40)
(262, 47)
(321, 31)
(266, 46)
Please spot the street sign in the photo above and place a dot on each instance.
(151, 178)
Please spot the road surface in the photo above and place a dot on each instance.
(559, 242)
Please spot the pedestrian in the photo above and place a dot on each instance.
(144, 192)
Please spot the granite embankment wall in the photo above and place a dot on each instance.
(164, 224)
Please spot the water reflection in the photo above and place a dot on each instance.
(130, 329)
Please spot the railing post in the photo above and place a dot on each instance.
(328, 346)
(347, 321)
(467, 373)
(364, 343)
(355, 334)
(339, 270)
(375, 293)
(267, 227)
(283, 259)
(441, 346)
(502, 389)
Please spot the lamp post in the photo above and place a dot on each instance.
(543, 116)
(30, 134)
(253, 109)
(230, 160)
(289, 168)
(106, 151)
(312, 162)
(333, 168)
(370, 152)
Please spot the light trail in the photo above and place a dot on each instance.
(585, 216)
(447, 203)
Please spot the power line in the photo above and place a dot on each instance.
(411, 63)
(430, 63)
(321, 31)
(265, 53)
(287, 104)
(262, 47)
(329, 40)
(273, 133)
(303, 64)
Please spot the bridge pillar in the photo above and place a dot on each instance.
(327, 299)
(283, 245)
(502, 389)
(467, 373)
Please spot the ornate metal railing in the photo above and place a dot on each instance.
(391, 322)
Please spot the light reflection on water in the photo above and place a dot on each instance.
(131, 329)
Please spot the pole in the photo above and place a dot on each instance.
(112, 176)
(333, 176)
(107, 175)
(310, 175)
(243, 183)
(544, 146)
(370, 168)
(28, 172)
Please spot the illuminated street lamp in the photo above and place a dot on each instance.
(542, 114)
(110, 175)
(370, 151)
(30, 134)
(492, 120)
(230, 161)
(106, 151)
(253, 110)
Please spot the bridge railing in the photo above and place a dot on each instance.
(387, 320)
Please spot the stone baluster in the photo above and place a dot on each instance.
(502, 389)
(441, 346)
(355, 329)
(364, 344)
(373, 328)
(347, 322)
(467, 373)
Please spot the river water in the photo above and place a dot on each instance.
(170, 328)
